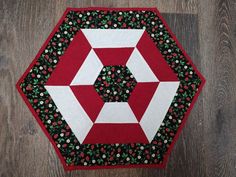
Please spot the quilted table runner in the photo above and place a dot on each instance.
(111, 88)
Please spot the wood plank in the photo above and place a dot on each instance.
(173, 6)
(218, 48)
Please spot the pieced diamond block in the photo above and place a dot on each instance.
(122, 85)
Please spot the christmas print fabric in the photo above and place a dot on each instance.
(111, 88)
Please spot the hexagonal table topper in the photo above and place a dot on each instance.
(111, 88)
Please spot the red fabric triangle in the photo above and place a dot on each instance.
(113, 56)
(141, 97)
(115, 133)
(71, 61)
(89, 99)
(155, 59)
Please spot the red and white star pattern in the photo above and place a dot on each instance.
(95, 121)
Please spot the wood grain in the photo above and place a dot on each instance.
(206, 29)
(218, 49)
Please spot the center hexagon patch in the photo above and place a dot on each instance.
(115, 83)
(111, 88)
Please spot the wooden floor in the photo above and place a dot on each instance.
(207, 145)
